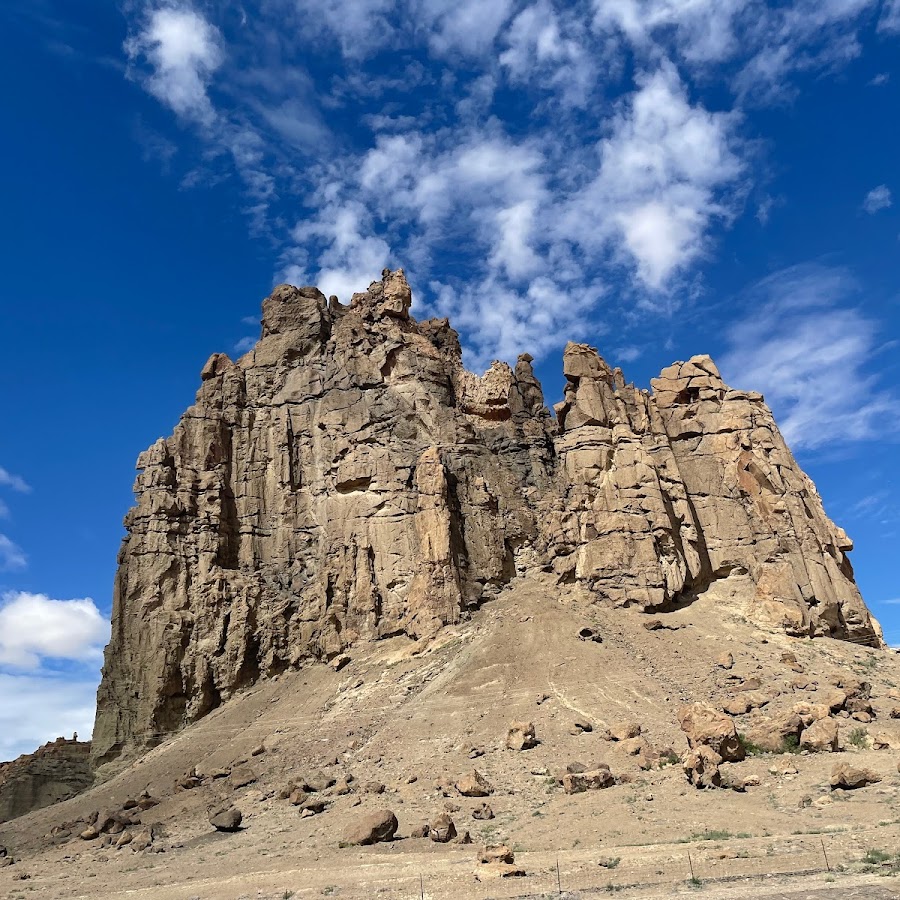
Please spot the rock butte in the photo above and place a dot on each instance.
(348, 479)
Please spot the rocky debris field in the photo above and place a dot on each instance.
(458, 759)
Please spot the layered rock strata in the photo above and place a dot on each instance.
(348, 479)
(54, 772)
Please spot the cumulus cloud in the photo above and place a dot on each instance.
(877, 199)
(509, 159)
(41, 708)
(183, 50)
(809, 349)
(661, 173)
(34, 627)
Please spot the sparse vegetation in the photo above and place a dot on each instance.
(610, 862)
(750, 749)
(857, 738)
(712, 835)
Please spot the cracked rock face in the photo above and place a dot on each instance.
(348, 479)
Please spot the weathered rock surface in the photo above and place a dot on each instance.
(348, 479)
(57, 771)
(372, 828)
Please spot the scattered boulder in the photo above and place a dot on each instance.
(317, 782)
(258, 750)
(521, 736)
(372, 828)
(474, 785)
(821, 735)
(188, 781)
(725, 661)
(241, 777)
(227, 820)
(371, 787)
(705, 726)
(581, 726)
(579, 782)
(483, 812)
(622, 731)
(849, 778)
(340, 661)
(496, 853)
(776, 734)
(790, 660)
(442, 830)
(701, 766)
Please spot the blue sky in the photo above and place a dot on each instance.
(657, 177)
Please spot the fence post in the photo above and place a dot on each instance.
(691, 864)
(827, 865)
(558, 878)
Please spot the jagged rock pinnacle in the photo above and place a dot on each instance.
(347, 479)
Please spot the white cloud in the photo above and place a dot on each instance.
(660, 184)
(35, 627)
(890, 17)
(7, 479)
(41, 708)
(183, 50)
(808, 349)
(877, 199)
(11, 555)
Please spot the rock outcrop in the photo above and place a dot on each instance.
(57, 771)
(348, 479)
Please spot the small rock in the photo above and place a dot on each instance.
(259, 750)
(622, 731)
(725, 661)
(241, 777)
(848, 778)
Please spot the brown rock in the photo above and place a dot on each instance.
(442, 830)
(820, 736)
(701, 766)
(622, 731)
(483, 812)
(474, 785)
(226, 819)
(319, 431)
(496, 853)
(521, 736)
(848, 778)
(373, 828)
(704, 726)
(579, 782)
(241, 777)
(725, 661)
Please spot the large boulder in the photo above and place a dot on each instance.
(821, 735)
(595, 780)
(442, 830)
(371, 828)
(701, 766)
(848, 778)
(521, 736)
(704, 726)
(474, 785)
(226, 819)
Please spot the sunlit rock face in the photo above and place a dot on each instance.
(348, 479)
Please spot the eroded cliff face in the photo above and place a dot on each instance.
(348, 479)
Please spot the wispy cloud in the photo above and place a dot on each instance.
(877, 199)
(11, 555)
(808, 346)
(623, 176)
(17, 483)
(890, 17)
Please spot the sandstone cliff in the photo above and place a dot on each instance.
(54, 772)
(348, 479)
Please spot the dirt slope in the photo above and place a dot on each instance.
(409, 715)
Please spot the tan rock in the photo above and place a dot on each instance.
(371, 828)
(521, 736)
(442, 830)
(706, 727)
(474, 785)
(316, 494)
(847, 777)
(579, 782)
(623, 731)
(821, 735)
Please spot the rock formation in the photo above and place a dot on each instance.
(54, 772)
(348, 479)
